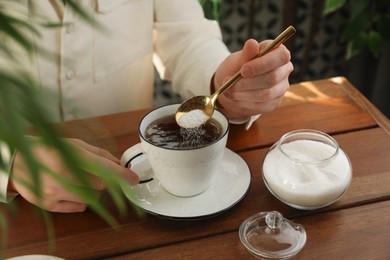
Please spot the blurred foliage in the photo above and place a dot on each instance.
(212, 9)
(23, 106)
(368, 26)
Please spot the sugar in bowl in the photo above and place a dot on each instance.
(306, 169)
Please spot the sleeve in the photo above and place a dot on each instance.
(6, 158)
(189, 47)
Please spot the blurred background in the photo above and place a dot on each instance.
(334, 38)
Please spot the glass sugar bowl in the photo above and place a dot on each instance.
(306, 169)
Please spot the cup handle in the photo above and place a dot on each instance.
(129, 155)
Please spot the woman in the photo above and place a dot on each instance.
(107, 65)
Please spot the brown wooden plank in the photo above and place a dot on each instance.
(363, 102)
(325, 105)
(332, 114)
(322, 105)
(102, 127)
(332, 102)
(355, 233)
(84, 234)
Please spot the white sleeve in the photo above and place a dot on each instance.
(6, 156)
(189, 46)
(189, 49)
(247, 121)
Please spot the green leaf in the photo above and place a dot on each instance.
(358, 7)
(357, 45)
(355, 26)
(9, 28)
(333, 5)
(22, 105)
(80, 11)
(375, 43)
(211, 8)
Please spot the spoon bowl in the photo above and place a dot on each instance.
(200, 104)
(205, 105)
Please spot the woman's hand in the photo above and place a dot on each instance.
(264, 82)
(55, 197)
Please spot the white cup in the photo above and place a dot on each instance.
(184, 172)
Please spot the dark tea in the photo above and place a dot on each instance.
(165, 132)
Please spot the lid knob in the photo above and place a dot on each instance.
(274, 220)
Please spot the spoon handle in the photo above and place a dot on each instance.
(284, 36)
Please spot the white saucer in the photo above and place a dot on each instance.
(228, 187)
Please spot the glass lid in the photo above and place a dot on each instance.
(267, 235)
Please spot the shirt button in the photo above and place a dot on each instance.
(70, 28)
(70, 74)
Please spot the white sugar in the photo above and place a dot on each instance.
(193, 119)
(305, 184)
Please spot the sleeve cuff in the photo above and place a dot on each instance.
(247, 121)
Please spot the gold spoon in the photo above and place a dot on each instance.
(195, 111)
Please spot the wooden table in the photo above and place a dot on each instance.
(355, 227)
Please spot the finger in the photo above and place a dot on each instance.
(235, 61)
(57, 199)
(246, 109)
(260, 95)
(106, 159)
(276, 58)
(252, 102)
(96, 150)
(96, 183)
(265, 81)
(249, 51)
(121, 171)
(68, 207)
